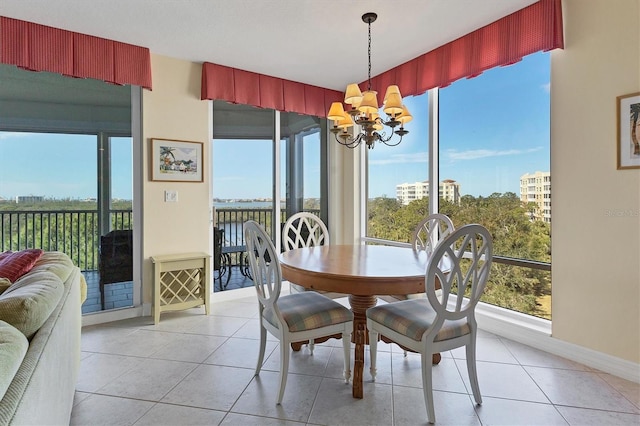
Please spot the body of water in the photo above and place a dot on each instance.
(232, 230)
(246, 205)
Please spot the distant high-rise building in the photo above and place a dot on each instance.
(408, 192)
(536, 188)
(29, 198)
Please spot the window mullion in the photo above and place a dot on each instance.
(434, 142)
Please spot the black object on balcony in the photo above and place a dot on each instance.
(116, 259)
(219, 265)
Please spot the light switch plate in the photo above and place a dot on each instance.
(170, 196)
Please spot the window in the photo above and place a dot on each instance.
(398, 179)
(493, 169)
(301, 164)
(70, 178)
(244, 168)
(495, 142)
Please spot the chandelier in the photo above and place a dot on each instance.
(364, 111)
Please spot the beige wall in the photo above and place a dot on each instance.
(596, 256)
(344, 193)
(595, 222)
(173, 110)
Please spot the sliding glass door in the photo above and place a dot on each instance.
(68, 184)
(267, 165)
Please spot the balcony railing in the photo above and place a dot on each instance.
(76, 232)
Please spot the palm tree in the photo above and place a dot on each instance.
(165, 153)
(635, 114)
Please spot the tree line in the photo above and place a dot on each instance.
(514, 234)
(70, 226)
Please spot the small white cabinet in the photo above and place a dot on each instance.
(181, 281)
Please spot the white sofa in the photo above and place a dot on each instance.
(42, 387)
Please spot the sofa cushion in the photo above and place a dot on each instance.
(57, 262)
(60, 264)
(28, 303)
(13, 347)
(4, 284)
(15, 264)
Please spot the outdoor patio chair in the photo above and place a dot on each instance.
(219, 267)
(116, 259)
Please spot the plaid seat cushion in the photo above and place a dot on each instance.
(413, 317)
(308, 310)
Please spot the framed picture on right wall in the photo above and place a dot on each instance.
(628, 109)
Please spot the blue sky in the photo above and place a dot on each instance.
(493, 129)
(59, 166)
(242, 168)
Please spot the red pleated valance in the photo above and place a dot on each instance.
(40, 48)
(535, 28)
(243, 87)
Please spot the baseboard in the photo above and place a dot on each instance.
(111, 315)
(536, 332)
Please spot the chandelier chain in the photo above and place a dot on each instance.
(369, 56)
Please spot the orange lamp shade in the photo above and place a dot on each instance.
(353, 95)
(405, 117)
(336, 112)
(369, 102)
(393, 104)
(346, 121)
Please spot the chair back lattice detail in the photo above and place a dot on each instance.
(264, 264)
(430, 231)
(461, 264)
(304, 230)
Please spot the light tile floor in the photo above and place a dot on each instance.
(193, 369)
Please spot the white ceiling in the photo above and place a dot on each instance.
(318, 42)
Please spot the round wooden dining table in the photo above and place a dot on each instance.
(362, 272)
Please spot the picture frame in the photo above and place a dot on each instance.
(176, 160)
(628, 141)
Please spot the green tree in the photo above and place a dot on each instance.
(382, 221)
(514, 235)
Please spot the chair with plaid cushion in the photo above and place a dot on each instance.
(460, 264)
(294, 317)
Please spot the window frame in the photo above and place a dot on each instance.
(434, 176)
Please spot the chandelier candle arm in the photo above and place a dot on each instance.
(364, 110)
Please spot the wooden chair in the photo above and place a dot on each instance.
(445, 321)
(295, 317)
(305, 229)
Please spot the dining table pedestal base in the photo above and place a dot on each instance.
(360, 336)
